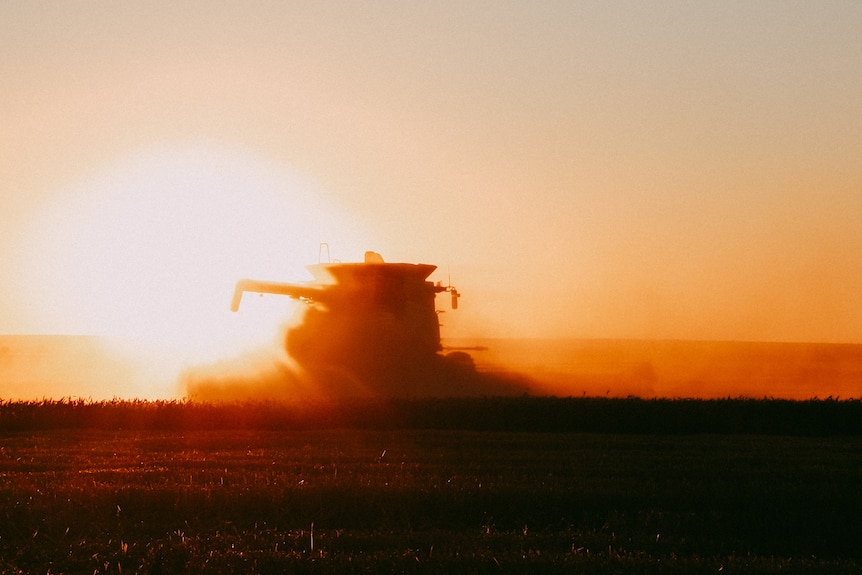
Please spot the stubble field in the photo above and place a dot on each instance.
(472, 485)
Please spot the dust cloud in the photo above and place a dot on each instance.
(678, 368)
(583, 367)
(36, 367)
(270, 374)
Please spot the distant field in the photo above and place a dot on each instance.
(36, 367)
(516, 485)
(673, 368)
(53, 366)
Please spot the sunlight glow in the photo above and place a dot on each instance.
(148, 252)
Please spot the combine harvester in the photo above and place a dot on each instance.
(371, 328)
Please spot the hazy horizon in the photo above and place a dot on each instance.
(34, 367)
(578, 170)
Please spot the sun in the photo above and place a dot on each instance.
(147, 251)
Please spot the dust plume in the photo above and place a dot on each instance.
(679, 368)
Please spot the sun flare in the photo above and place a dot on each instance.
(147, 252)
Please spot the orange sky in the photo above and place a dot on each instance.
(582, 169)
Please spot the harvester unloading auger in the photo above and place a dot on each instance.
(370, 324)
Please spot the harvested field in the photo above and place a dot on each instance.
(170, 487)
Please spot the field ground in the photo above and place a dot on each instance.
(138, 487)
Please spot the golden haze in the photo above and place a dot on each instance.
(581, 170)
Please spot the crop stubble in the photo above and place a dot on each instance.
(408, 500)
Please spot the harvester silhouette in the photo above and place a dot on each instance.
(370, 327)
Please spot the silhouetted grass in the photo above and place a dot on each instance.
(816, 417)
